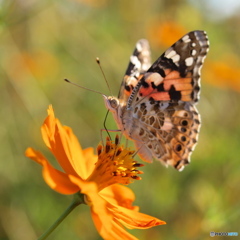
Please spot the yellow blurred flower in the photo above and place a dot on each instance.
(95, 176)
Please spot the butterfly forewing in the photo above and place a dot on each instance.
(179, 69)
(140, 62)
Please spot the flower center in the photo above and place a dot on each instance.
(115, 165)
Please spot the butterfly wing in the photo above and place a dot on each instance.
(163, 102)
(138, 65)
(166, 131)
(176, 73)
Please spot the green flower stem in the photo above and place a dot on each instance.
(77, 200)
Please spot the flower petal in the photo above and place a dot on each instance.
(83, 161)
(119, 195)
(103, 219)
(134, 220)
(64, 145)
(108, 228)
(55, 179)
(90, 159)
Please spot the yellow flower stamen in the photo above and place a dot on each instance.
(115, 165)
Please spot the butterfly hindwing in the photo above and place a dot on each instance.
(166, 131)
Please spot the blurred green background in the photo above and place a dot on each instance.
(43, 42)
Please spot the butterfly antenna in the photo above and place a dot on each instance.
(99, 64)
(68, 81)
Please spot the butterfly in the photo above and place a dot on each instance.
(155, 107)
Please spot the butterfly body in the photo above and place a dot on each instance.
(156, 104)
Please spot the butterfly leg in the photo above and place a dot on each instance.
(107, 130)
(117, 138)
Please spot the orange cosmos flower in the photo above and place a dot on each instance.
(95, 176)
(165, 33)
(224, 73)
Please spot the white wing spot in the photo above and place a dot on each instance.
(173, 55)
(145, 66)
(176, 58)
(186, 39)
(139, 47)
(193, 44)
(189, 61)
(134, 60)
(194, 52)
(154, 77)
(170, 54)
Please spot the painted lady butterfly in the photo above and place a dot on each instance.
(156, 104)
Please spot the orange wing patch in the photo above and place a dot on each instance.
(172, 87)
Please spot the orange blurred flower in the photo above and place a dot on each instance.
(94, 176)
(41, 64)
(224, 72)
(164, 34)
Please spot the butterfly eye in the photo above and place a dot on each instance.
(114, 103)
